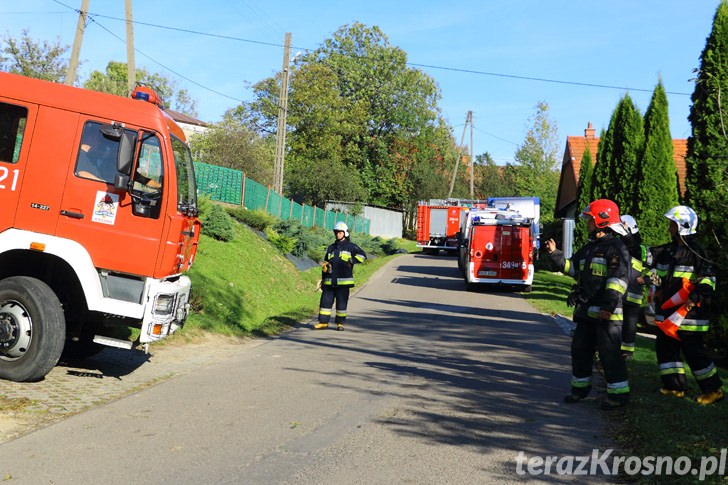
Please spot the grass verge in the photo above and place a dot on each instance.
(653, 425)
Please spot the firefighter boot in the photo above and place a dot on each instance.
(611, 403)
(340, 327)
(320, 326)
(710, 397)
(671, 392)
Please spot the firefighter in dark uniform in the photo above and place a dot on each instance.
(601, 270)
(641, 259)
(338, 277)
(677, 262)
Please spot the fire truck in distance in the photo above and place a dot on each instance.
(438, 223)
(98, 223)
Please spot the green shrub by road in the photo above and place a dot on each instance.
(652, 425)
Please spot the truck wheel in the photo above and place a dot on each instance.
(32, 329)
(527, 288)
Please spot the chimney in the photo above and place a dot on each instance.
(589, 132)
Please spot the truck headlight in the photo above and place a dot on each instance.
(164, 304)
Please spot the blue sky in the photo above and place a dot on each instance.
(478, 51)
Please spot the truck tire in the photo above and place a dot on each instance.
(32, 329)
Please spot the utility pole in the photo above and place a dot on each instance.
(130, 66)
(472, 162)
(76, 51)
(282, 111)
(468, 119)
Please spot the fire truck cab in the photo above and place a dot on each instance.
(98, 223)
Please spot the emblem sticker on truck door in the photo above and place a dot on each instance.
(105, 207)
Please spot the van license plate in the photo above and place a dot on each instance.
(486, 273)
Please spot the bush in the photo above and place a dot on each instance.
(258, 220)
(218, 224)
(283, 243)
(293, 229)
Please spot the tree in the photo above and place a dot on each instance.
(537, 160)
(658, 189)
(583, 196)
(706, 182)
(353, 101)
(29, 57)
(232, 145)
(116, 81)
(619, 157)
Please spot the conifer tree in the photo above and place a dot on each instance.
(629, 141)
(707, 158)
(658, 190)
(583, 197)
(601, 181)
(619, 157)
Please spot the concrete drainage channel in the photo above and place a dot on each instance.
(75, 386)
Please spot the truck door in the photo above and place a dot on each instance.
(515, 250)
(100, 217)
(16, 123)
(484, 251)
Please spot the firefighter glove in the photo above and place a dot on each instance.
(652, 279)
(694, 297)
(326, 266)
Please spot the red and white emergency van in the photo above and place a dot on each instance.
(500, 250)
(90, 254)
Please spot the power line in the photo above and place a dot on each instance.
(92, 19)
(540, 79)
(412, 64)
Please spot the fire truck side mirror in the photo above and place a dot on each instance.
(125, 157)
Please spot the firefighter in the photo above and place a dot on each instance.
(686, 292)
(635, 297)
(601, 269)
(338, 277)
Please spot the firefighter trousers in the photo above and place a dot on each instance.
(672, 368)
(328, 295)
(629, 326)
(605, 337)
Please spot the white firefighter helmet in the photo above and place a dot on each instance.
(341, 226)
(685, 218)
(630, 224)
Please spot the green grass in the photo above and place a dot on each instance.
(653, 425)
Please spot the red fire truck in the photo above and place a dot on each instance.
(438, 223)
(98, 223)
(500, 250)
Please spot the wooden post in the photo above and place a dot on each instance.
(267, 198)
(242, 199)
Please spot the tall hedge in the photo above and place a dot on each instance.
(707, 158)
(583, 197)
(658, 190)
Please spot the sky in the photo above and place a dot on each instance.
(496, 58)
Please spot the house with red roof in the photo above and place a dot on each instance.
(573, 153)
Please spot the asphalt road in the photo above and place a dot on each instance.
(429, 384)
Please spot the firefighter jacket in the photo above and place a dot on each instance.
(601, 269)
(641, 259)
(673, 262)
(342, 255)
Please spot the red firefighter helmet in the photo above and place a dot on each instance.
(605, 214)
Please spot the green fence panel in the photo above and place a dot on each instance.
(219, 183)
(232, 187)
